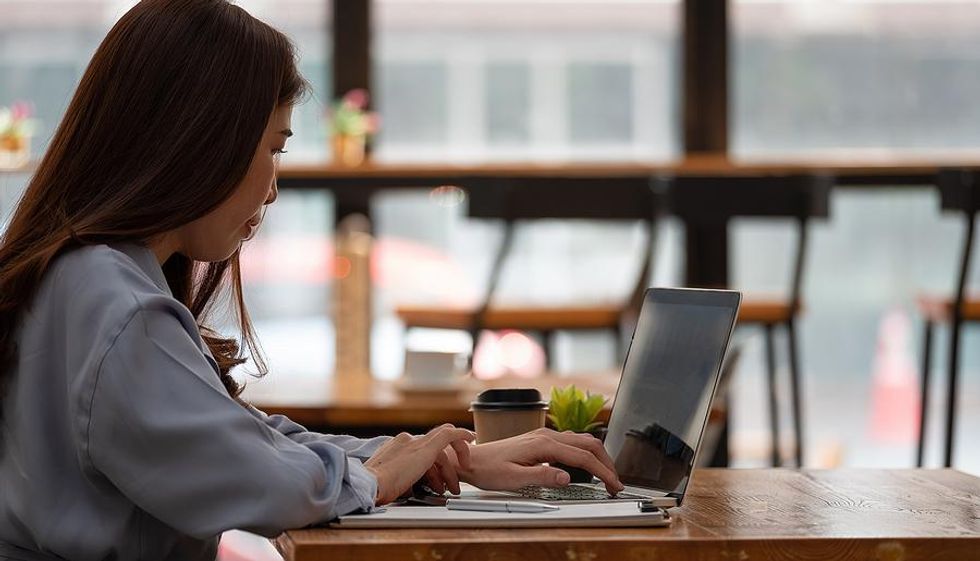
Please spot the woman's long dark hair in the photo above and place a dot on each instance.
(162, 128)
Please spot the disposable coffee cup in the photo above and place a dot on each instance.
(502, 413)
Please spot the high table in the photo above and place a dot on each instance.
(353, 187)
(848, 514)
(365, 406)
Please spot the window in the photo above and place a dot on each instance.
(539, 79)
(878, 76)
(508, 103)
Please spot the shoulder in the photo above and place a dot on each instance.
(100, 270)
(101, 285)
(105, 261)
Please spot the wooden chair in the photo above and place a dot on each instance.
(959, 191)
(802, 197)
(514, 201)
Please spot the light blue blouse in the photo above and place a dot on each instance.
(120, 442)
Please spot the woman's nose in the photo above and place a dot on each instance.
(273, 193)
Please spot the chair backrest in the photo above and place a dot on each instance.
(959, 190)
(516, 198)
(714, 200)
(534, 198)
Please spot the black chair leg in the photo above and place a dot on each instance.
(954, 367)
(924, 403)
(475, 337)
(795, 383)
(773, 399)
(547, 341)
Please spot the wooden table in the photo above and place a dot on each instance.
(886, 515)
(853, 169)
(366, 406)
(353, 187)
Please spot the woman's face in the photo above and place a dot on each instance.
(216, 235)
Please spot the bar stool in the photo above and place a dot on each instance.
(801, 197)
(570, 198)
(959, 190)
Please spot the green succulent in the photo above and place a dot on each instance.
(570, 409)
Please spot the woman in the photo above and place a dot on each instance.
(122, 435)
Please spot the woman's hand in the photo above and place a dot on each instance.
(403, 460)
(515, 462)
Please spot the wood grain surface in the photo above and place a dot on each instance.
(848, 514)
(856, 165)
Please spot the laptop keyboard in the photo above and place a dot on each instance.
(572, 493)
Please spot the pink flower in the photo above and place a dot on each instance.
(357, 98)
(21, 110)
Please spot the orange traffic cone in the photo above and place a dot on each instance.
(894, 386)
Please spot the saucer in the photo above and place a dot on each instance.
(449, 388)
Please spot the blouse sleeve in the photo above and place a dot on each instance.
(359, 448)
(162, 428)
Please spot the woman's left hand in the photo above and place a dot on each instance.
(444, 474)
(405, 459)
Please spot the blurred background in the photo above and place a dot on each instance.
(618, 85)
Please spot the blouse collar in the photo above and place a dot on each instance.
(146, 260)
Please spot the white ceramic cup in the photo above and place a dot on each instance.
(433, 368)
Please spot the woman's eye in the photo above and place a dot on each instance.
(279, 151)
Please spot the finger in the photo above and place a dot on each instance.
(462, 450)
(544, 476)
(434, 479)
(449, 465)
(449, 428)
(587, 442)
(444, 435)
(578, 457)
(449, 475)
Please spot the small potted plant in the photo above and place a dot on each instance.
(350, 126)
(572, 410)
(16, 128)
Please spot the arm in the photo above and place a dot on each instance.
(159, 425)
(359, 448)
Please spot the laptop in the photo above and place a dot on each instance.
(663, 401)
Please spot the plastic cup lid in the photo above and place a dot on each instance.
(509, 398)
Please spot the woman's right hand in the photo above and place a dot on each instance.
(517, 461)
(405, 459)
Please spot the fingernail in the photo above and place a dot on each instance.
(563, 478)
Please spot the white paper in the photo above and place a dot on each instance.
(623, 514)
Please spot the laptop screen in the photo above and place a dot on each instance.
(668, 382)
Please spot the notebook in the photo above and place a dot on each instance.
(597, 515)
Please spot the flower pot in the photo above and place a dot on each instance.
(14, 151)
(348, 149)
